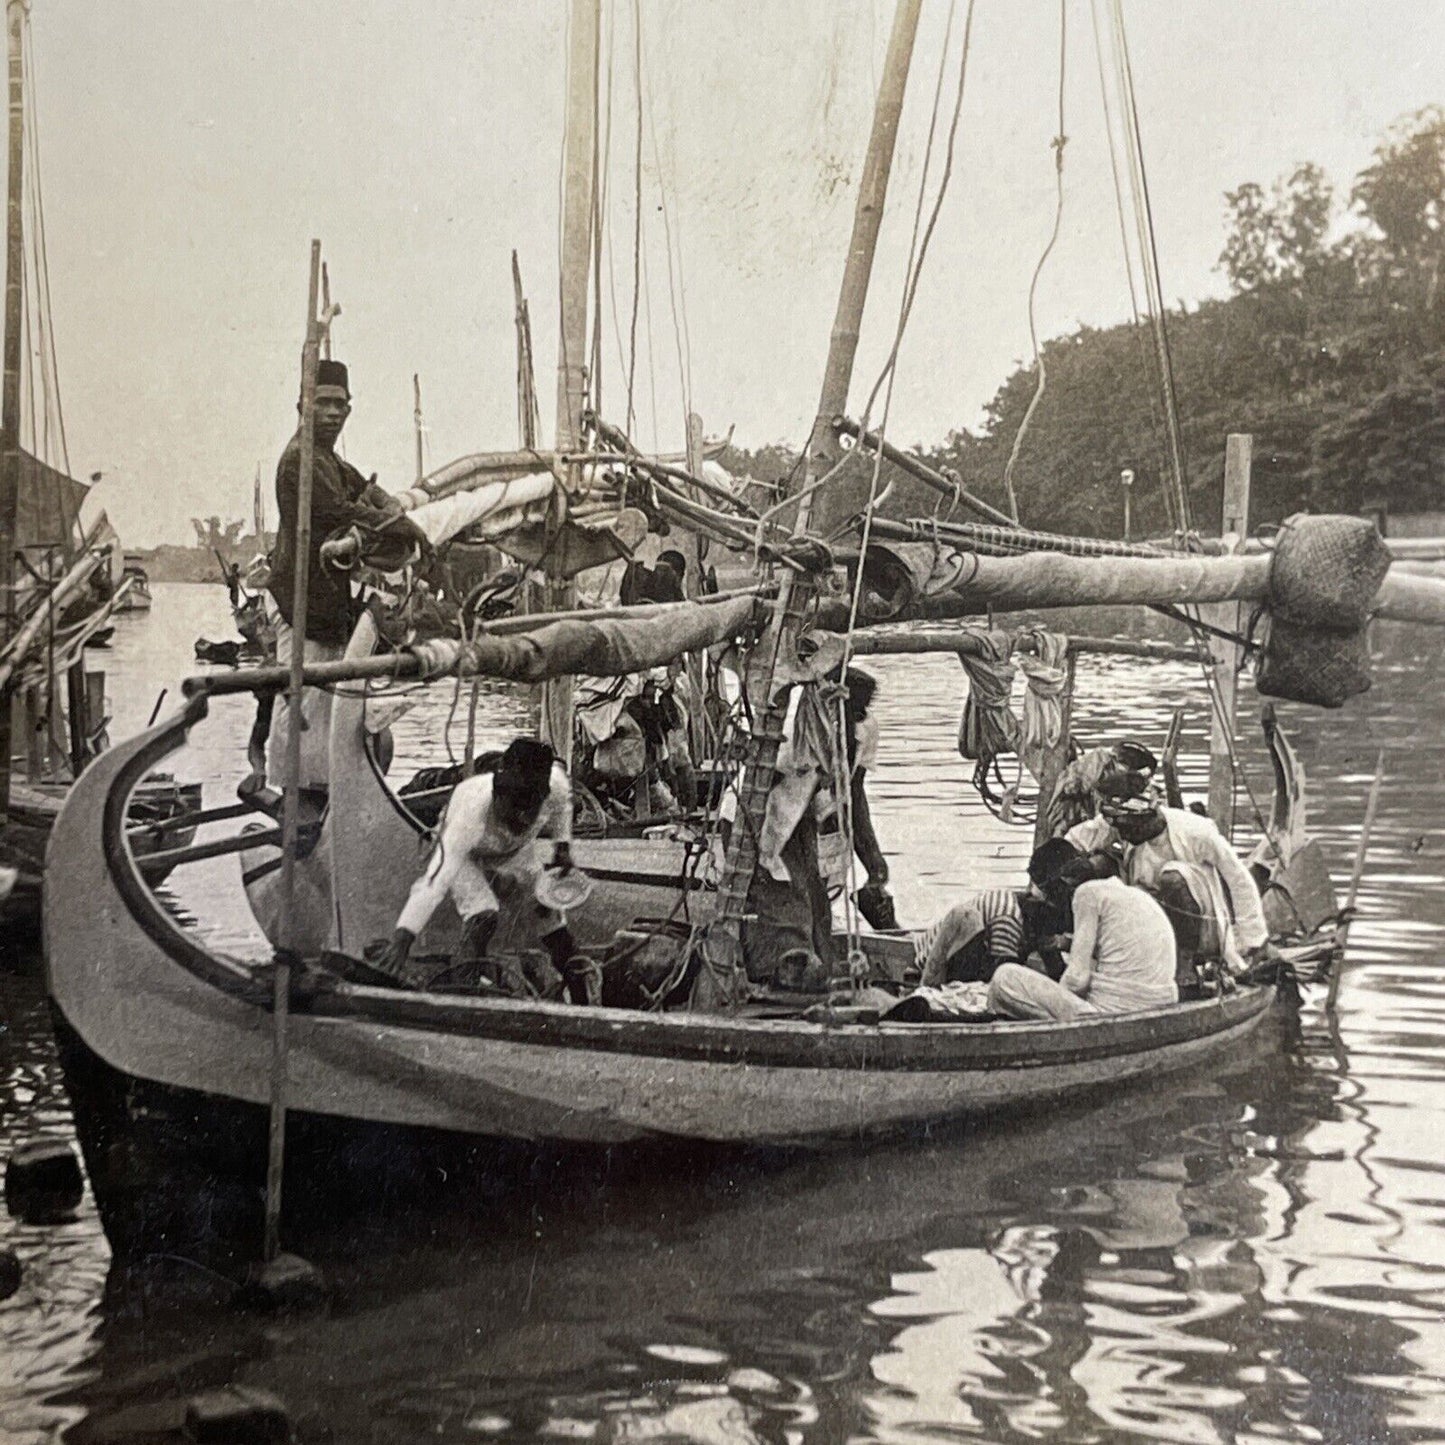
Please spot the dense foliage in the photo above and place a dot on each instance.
(1330, 350)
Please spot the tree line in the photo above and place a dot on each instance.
(1329, 349)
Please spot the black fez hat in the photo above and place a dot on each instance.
(333, 374)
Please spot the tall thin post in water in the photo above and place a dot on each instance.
(281, 1000)
(10, 398)
(579, 198)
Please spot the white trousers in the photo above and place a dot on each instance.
(315, 717)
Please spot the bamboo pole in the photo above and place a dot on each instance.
(920, 471)
(722, 953)
(291, 802)
(10, 393)
(1342, 931)
(1228, 617)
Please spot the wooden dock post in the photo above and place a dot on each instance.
(1227, 655)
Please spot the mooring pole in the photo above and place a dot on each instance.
(10, 400)
(1238, 450)
(281, 999)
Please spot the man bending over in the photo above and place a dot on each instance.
(1121, 958)
(486, 850)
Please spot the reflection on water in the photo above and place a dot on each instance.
(1250, 1255)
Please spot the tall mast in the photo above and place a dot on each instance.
(15, 11)
(579, 196)
(835, 504)
(416, 423)
(722, 955)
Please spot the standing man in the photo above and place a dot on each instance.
(340, 497)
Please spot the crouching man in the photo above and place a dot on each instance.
(486, 852)
(1121, 959)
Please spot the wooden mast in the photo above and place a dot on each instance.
(528, 420)
(578, 201)
(722, 952)
(416, 423)
(10, 398)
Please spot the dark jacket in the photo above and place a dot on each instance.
(340, 496)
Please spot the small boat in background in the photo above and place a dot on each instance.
(137, 596)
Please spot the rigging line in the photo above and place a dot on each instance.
(651, 355)
(1145, 357)
(562, 358)
(1153, 292)
(904, 311)
(1175, 439)
(678, 303)
(44, 278)
(597, 203)
(910, 291)
(636, 215)
(1059, 142)
(908, 269)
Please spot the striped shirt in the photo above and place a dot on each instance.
(1003, 939)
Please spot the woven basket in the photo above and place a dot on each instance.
(1326, 571)
(1312, 664)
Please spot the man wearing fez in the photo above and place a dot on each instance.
(340, 497)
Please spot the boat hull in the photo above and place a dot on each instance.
(147, 1004)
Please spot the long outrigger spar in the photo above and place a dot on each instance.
(168, 1044)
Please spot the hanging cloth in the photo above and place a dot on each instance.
(1043, 714)
(805, 764)
(988, 726)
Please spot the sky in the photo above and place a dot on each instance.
(191, 149)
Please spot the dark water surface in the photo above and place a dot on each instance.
(1249, 1255)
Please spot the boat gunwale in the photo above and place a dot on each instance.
(1007, 1045)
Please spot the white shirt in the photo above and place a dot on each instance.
(1122, 957)
(472, 837)
(1187, 838)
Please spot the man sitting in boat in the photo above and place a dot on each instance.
(1183, 857)
(1121, 958)
(987, 929)
(340, 497)
(486, 853)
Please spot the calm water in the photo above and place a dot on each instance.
(1247, 1256)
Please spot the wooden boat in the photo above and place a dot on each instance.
(155, 820)
(137, 596)
(172, 1049)
(149, 1012)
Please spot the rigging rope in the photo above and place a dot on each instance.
(1146, 356)
(631, 422)
(1149, 256)
(1059, 142)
